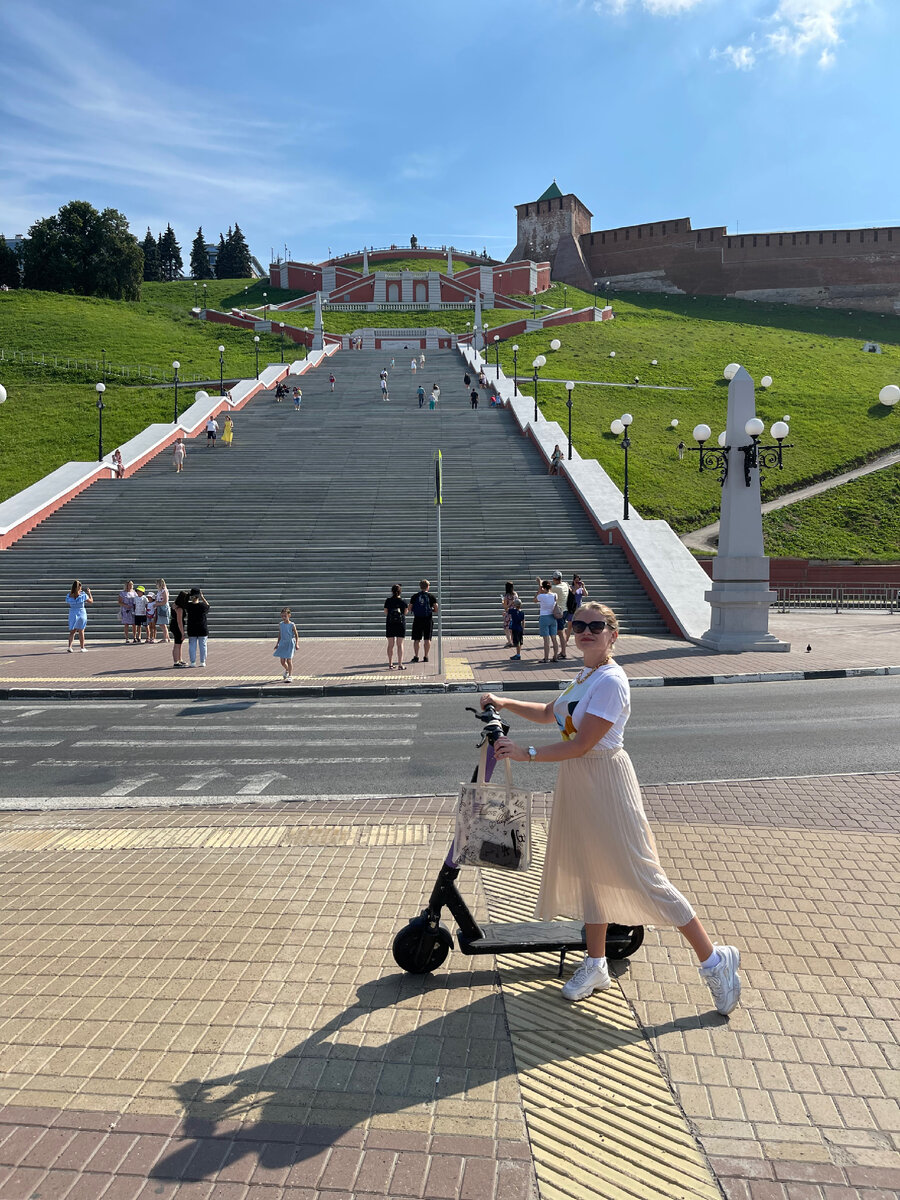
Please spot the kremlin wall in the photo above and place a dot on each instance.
(835, 268)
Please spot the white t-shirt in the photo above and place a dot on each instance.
(604, 693)
(212, 426)
(547, 601)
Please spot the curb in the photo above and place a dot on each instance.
(306, 691)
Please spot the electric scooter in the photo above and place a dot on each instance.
(423, 945)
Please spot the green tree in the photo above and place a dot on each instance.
(200, 268)
(151, 258)
(170, 261)
(239, 255)
(84, 251)
(9, 264)
(223, 258)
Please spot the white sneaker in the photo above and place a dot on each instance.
(587, 979)
(723, 979)
(84, 649)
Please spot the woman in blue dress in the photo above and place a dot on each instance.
(286, 645)
(78, 599)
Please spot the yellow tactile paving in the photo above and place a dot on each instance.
(205, 837)
(601, 1116)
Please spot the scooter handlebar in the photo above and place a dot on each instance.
(494, 727)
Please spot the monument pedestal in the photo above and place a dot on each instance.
(739, 599)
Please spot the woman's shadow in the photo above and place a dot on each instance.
(458, 1051)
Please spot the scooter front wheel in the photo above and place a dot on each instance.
(623, 940)
(421, 947)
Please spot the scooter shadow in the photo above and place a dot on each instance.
(451, 1055)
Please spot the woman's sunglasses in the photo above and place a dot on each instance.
(596, 627)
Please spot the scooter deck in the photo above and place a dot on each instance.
(518, 936)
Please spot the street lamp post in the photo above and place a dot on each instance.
(204, 297)
(305, 350)
(619, 427)
(281, 327)
(265, 306)
(497, 354)
(101, 388)
(221, 370)
(595, 293)
(570, 388)
(103, 373)
(537, 364)
(515, 370)
(606, 291)
(256, 348)
(565, 296)
(176, 364)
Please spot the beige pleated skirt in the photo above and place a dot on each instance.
(601, 864)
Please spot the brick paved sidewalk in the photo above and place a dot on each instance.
(838, 641)
(206, 1007)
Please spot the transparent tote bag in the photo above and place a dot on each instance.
(493, 823)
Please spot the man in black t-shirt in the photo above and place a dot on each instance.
(423, 606)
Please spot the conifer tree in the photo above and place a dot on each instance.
(223, 258)
(200, 268)
(151, 258)
(239, 255)
(170, 261)
(9, 264)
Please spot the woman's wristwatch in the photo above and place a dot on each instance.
(532, 754)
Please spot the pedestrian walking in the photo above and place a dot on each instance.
(420, 392)
(118, 464)
(78, 598)
(178, 455)
(151, 618)
(578, 593)
(163, 608)
(197, 611)
(178, 628)
(560, 590)
(286, 645)
(228, 432)
(412, 366)
(212, 432)
(384, 389)
(127, 597)
(422, 359)
(392, 364)
(423, 606)
(507, 600)
(395, 610)
(555, 460)
(332, 380)
(517, 629)
(602, 864)
(546, 601)
(436, 388)
(467, 380)
(140, 613)
(298, 399)
(473, 397)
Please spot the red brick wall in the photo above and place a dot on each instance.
(812, 572)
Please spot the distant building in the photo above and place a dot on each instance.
(835, 268)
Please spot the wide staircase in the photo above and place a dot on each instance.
(322, 510)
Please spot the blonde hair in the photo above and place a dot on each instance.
(605, 611)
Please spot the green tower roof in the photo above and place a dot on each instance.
(552, 192)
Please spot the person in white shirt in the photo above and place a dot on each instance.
(546, 600)
(602, 864)
(212, 431)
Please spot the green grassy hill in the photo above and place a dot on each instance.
(50, 416)
(822, 379)
(859, 520)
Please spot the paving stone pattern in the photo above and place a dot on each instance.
(228, 1022)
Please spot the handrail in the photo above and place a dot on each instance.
(804, 595)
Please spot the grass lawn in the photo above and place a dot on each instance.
(50, 416)
(822, 380)
(413, 264)
(859, 520)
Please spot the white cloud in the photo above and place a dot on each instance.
(657, 8)
(805, 25)
(742, 58)
(79, 120)
(800, 27)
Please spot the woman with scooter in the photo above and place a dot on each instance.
(601, 863)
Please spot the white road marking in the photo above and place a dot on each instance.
(34, 741)
(223, 728)
(218, 762)
(124, 789)
(258, 783)
(79, 803)
(194, 783)
(226, 740)
(31, 712)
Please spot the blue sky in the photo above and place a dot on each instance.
(336, 123)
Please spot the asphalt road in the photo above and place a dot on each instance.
(123, 753)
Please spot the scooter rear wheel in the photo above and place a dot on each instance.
(623, 940)
(420, 948)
